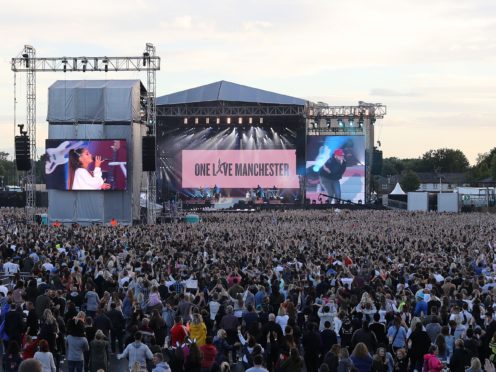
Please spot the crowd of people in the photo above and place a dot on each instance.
(288, 291)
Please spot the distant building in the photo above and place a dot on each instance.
(429, 182)
(444, 182)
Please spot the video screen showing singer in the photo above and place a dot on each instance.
(331, 173)
(80, 176)
(99, 165)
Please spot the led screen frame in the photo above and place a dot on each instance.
(70, 164)
(348, 182)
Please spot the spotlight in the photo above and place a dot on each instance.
(105, 62)
(196, 121)
(64, 61)
(146, 56)
(217, 121)
(261, 120)
(351, 122)
(85, 61)
(360, 121)
(240, 120)
(26, 59)
(372, 120)
(328, 123)
(185, 121)
(250, 120)
(340, 122)
(228, 120)
(207, 121)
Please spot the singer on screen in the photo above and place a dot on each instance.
(331, 173)
(80, 177)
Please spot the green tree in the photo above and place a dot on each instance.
(391, 166)
(492, 170)
(482, 168)
(409, 181)
(445, 160)
(8, 171)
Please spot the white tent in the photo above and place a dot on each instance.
(397, 190)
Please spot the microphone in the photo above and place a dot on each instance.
(102, 159)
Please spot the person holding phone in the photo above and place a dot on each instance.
(80, 176)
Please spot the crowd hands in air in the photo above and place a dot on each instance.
(279, 291)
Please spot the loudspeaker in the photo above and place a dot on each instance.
(300, 143)
(148, 153)
(377, 162)
(23, 161)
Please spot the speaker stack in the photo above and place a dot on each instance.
(23, 160)
(148, 153)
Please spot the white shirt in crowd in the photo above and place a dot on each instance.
(10, 268)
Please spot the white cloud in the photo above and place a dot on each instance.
(433, 56)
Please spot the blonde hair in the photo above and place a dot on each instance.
(475, 364)
(197, 319)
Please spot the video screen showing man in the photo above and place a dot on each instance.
(335, 169)
(331, 173)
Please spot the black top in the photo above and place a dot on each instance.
(337, 169)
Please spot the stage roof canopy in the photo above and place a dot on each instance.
(227, 91)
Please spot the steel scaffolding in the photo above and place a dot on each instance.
(30, 64)
(151, 123)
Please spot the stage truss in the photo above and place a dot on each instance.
(28, 63)
(320, 118)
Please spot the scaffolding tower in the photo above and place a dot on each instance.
(30, 64)
(151, 123)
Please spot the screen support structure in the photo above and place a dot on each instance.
(28, 63)
(151, 115)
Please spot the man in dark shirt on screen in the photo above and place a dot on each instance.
(330, 174)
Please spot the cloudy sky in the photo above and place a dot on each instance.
(432, 62)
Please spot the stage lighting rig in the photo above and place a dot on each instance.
(26, 59)
(146, 57)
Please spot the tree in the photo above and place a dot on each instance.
(492, 170)
(409, 181)
(391, 166)
(445, 160)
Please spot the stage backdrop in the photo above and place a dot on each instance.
(321, 149)
(235, 159)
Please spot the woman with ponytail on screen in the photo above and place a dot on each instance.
(80, 177)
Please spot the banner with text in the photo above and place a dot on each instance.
(239, 168)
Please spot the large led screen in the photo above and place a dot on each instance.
(239, 168)
(335, 169)
(202, 162)
(86, 164)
